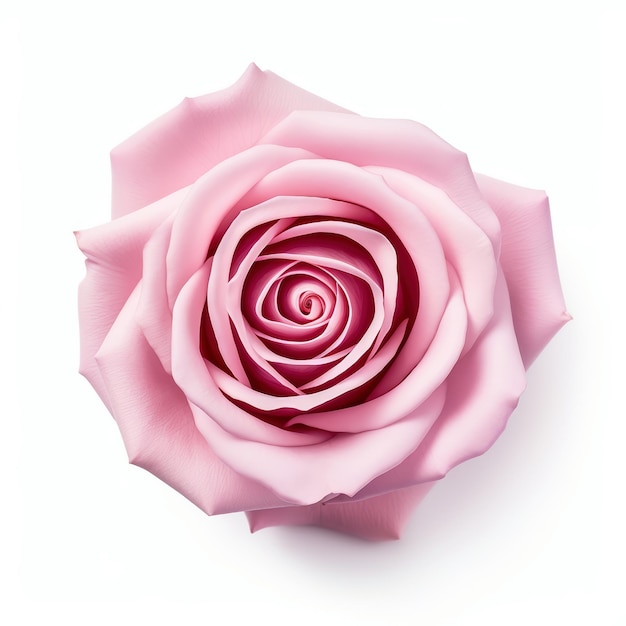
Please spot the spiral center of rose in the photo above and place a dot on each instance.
(309, 310)
(301, 298)
(311, 305)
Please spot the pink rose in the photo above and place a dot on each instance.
(309, 315)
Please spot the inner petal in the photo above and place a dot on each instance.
(302, 299)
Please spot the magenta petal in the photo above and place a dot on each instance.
(377, 519)
(178, 147)
(158, 428)
(529, 263)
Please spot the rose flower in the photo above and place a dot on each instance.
(309, 315)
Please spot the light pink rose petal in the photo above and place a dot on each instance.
(211, 204)
(113, 264)
(180, 146)
(483, 390)
(465, 245)
(400, 144)
(529, 263)
(153, 313)
(377, 519)
(343, 464)
(158, 428)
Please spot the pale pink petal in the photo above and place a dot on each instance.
(113, 269)
(178, 147)
(529, 263)
(158, 428)
(466, 247)
(343, 464)
(400, 144)
(211, 204)
(153, 313)
(483, 390)
(377, 519)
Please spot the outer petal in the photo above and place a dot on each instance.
(483, 390)
(377, 519)
(177, 148)
(400, 144)
(529, 263)
(158, 428)
(465, 245)
(153, 313)
(114, 265)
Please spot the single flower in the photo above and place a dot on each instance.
(309, 315)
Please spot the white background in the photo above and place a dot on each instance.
(532, 532)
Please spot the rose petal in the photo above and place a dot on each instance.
(153, 314)
(211, 203)
(400, 144)
(529, 263)
(465, 245)
(343, 464)
(266, 402)
(113, 264)
(158, 428)
(376, 519)
(180, 146)
(483, 389)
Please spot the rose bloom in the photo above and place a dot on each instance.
(309, 315)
